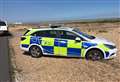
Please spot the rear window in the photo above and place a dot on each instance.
(2, 23)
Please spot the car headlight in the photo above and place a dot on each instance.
(110, 46)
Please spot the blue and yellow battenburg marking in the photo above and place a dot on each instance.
(61, 47)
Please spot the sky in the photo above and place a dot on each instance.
(51, 10)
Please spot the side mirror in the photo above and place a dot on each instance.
(77, 39)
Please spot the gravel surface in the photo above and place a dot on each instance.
(55, 69)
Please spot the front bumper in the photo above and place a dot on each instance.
(112, 54)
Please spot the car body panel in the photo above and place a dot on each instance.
(66, 47)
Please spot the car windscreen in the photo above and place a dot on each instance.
(2, 23)
(84, 34)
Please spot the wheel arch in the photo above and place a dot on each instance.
(37, 46)
(91, 48)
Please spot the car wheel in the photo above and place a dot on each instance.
(94, 54)
(35, 51)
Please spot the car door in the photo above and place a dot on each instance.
(48, 41)
(68, 45)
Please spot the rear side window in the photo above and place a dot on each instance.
(46, 33)
(2, 23)
(39, 33)
(67, 35)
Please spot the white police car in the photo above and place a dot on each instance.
(66, 41)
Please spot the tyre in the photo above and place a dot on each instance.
(94, 54)
(35, 51)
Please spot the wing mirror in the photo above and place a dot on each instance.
(77, 39)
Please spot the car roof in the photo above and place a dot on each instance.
(58, 28)
(32, 30)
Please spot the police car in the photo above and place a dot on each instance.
(3, 26)
(66, 41)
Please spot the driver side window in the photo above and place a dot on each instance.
(67, 35)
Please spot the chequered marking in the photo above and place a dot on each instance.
(60, 43)
(26, 41)
(36, 40)
(25, 45)
(63, 43)
(56, 50)
(60, 51)
(74, 52)
(83, 52)
(56, 42)
(47, 41)
(58, 46)
(88, 44)
(74, 44)
(63, 51)
(48, 49)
